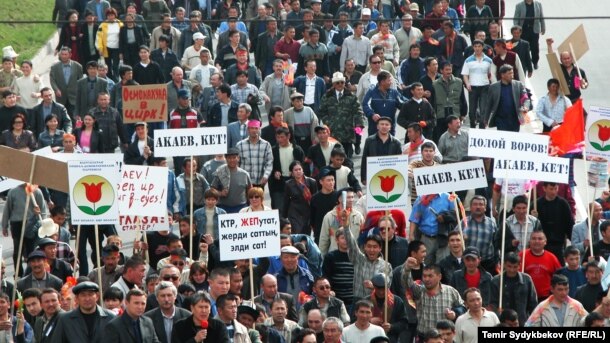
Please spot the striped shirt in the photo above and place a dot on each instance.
(240, 94)
(430, 308)
(255, 158)
(364, 269)
(478, 70)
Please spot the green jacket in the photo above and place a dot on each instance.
(448, 95)
(341, 115)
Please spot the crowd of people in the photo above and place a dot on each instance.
(320, 73)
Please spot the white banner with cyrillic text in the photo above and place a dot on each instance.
(249, 235)
(450, 177)
(492, 143)
(543, 168)
(191, 142)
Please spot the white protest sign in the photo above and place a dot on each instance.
(249, 235)
(93, 182)
(130, 223)
(598, 132)
(7, 183)
(545, 168)
(450, 177)
(189, 142)
(492, 143)
(141, 192)
(386, 181)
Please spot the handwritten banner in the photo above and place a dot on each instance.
(145, 103)
(450, 177)
(249, 235)
(492, 143)
(140, 192)
(130, 223)
(189, 142)
(546, 168)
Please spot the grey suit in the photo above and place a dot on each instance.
(234, 135)
(52, 282)
(493, 100)
(83, 105)
(71, 327)
(91, 7)
(68, 90)
(120, 330)
(519, 17)
(208, 94)
(157, 319)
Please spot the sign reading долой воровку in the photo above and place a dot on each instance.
(249, 235)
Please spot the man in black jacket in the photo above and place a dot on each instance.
(522, 48)
(380, 144)
(281, 172)
(140, 151)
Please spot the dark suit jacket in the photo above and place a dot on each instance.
(141, 38)
(522, 49)
(36, 121)
(119, 330)
(71, 327)
(493, 99)
(157, 318)
(276, 185)
(26, 282)
(300, 84)
(68, 91)
(215, 115)
(82, 105)
(84, 48)
(132, 154)
(370, 149)
(262, 54)
(97, 145)
(167, 64)
(185, 330)
(41, 336)
(319, 161)
(292, 312)
(233, 134)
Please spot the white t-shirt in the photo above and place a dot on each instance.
(352, 334)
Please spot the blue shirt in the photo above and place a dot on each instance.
(425, 216)
(224, 26)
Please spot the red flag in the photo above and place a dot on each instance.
(570, 135)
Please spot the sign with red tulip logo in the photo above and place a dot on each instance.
(93, 196)
(598, 132)
(387, 183)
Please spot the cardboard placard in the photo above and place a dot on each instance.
(579, 42)
(130, 223)
(542, 168)
(50, 173)
(93, 194)
(146, 103)
(491, 143)
(450, 177)
(557, 73)
(140, 192)
(191, 142)
(249, 235)
(387, 183)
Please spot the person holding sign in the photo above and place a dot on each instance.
(480, 232)
(430, 218)
(380, 143)
(199, 184)
(332, 221)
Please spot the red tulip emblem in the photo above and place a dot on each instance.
(93, 194)
(387, 186)
(387, 183)
(603, 134)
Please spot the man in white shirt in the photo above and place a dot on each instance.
(202, 72)
(476, 74)
(362, 330)
(477, 316)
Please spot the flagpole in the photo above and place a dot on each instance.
(586, 171)
(503, 239)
